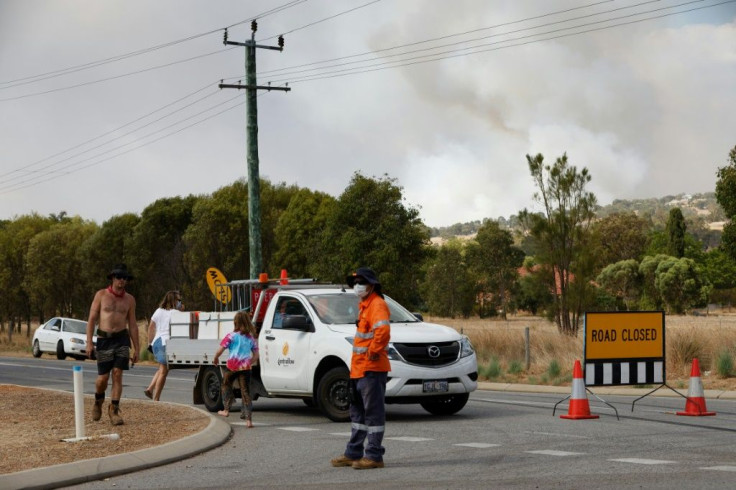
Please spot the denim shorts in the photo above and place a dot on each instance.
(159, 351)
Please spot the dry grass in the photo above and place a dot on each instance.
(502, 343)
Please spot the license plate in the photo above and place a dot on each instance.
(436, 386)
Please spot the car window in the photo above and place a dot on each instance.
(75, 326)
(343, 309)
(286, 307)
(54, 325)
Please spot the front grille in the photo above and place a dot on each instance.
(419, 353)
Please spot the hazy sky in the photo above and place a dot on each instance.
(649, 106)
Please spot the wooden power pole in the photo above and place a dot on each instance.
(254, 186)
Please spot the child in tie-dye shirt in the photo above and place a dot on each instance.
(242, 346)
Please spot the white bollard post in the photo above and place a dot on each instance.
(78, 401)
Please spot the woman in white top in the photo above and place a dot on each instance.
(158, 335)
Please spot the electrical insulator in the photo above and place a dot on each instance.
(224, 37)
(281, 42)
(254, 26)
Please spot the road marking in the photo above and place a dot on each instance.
(575, 436)
(341, 434)
(298, 429)
(409, 439)
(479, 445)
(641, 461)
(719, 468)
(552, 452)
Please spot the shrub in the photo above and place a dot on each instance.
(515, 367)
(724, 364)
(553, 369)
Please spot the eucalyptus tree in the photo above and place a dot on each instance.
(495, 261)
(562, 232)
(726, 197)
(449, 288)
(54, 266)
(372, 226)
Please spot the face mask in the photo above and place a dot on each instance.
(361, 290)
(178, 305)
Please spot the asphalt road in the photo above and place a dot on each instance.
(500, 440)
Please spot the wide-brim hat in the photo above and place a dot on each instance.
(366, 273)
(120, 270)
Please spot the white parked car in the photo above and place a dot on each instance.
(62, 336)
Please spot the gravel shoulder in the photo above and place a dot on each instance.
(35, 422)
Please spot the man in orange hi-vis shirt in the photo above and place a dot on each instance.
(369, 369)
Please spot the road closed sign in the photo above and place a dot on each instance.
(624, 347)
(624, 335)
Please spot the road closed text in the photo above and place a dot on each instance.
(624, 335)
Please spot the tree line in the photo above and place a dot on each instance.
(559, 262)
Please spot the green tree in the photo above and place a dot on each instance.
(680, 284)
(449, 287)
(622, 280)
(676, 229)
(156, 250)
(105, 248)
(299, 232)
(726, 197)
(15, 239)
(371, 226)
(561, 231)
(620, 236)
(720, 269)
(53, 268)
(651, 298)
(495, 261)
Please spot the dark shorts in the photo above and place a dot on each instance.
(113, 352)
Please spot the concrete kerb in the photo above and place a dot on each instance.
(215, 434)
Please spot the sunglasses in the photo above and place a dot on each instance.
(120, 276)
(360, 281)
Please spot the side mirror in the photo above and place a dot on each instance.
(296, 322)
(419, 316)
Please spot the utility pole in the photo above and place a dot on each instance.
(254, 186)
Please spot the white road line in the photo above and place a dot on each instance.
(641, 461)
(409, 439)
(298, 429)
(719, 468)
(574, 436)
(341, 434)
(552, 452)
(479, 445)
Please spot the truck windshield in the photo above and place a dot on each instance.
(343, 309)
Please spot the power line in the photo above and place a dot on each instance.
(453, 54)
(93, 64)
(113, 139)
(415, 43)
(326, 19)
(33, 178)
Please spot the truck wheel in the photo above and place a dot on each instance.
(60, 354)
(36, 349)
(210, 389)
(445, 405)
(333, 394)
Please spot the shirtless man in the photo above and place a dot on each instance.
(112, 309)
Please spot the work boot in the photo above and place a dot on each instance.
(366, 464)
(114, 412)
(97, 410)
(342, 461)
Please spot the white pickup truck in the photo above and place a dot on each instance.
(305, 340)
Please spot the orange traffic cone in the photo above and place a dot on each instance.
(578, 408)
(695, 404)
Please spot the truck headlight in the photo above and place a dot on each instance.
(466, 348)
(393, 354)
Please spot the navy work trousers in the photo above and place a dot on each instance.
(368, 417)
